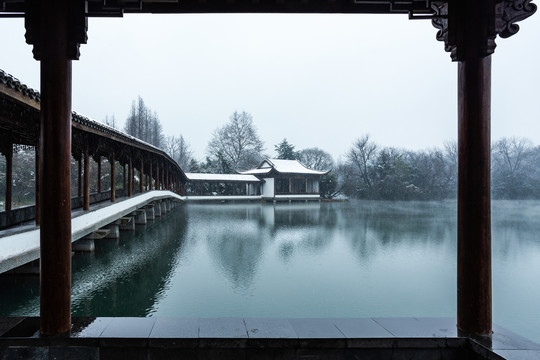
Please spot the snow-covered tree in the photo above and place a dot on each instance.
(237, 143)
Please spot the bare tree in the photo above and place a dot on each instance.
(143, 124)
(362, 155)
(511, 169)
(316, 159)
(237, 142)
(179, 150)
(111, 121)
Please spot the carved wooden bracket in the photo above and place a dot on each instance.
(468, 32)
(77, 24)
(511, 11)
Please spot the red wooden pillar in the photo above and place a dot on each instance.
(474, 188)
(157, 176)
(86, 199)
(98, 174)
(141, 177)
(113, 178)
(9, 177)
(37, 179)
(130, 178)
(79, 179)
(151, 174)
(162, 182)
(124, 178)
(55, 163)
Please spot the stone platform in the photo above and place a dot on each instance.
(262, 338)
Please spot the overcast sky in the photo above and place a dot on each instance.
(318, 80)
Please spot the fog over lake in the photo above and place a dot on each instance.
(352, 259)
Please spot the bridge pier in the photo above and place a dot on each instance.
(127, 223)
(140, 217)
(157, 208)
(84, 245)
(114, 231)
(150, 214)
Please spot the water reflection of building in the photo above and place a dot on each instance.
(294, 215)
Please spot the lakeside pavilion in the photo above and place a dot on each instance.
(287, 180)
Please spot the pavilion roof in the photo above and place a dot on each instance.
(221, 177)
(283, 167)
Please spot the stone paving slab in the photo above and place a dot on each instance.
(519, 354)
(175, 328)
(129, 327)
(262, 338)
(419, 327)
(222, 328)
(258, 328)
(360, 328)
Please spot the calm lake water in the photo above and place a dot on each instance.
(355, 259)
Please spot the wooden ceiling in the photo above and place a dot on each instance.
(120, 7)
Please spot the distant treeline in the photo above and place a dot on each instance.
(386, 173)
(367, 171)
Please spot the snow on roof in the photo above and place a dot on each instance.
(285, 167)
(257, 171)
(221, 177)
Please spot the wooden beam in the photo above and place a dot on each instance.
(474, 201)
(19, 96)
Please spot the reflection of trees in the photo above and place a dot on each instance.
(122, 278)
(515, 227)
(307, 227)
(132, 276)
(234, 238)
(378, 224)
(237, 249)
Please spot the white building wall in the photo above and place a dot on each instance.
(268, 188)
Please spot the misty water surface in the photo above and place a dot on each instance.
(355, 259)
